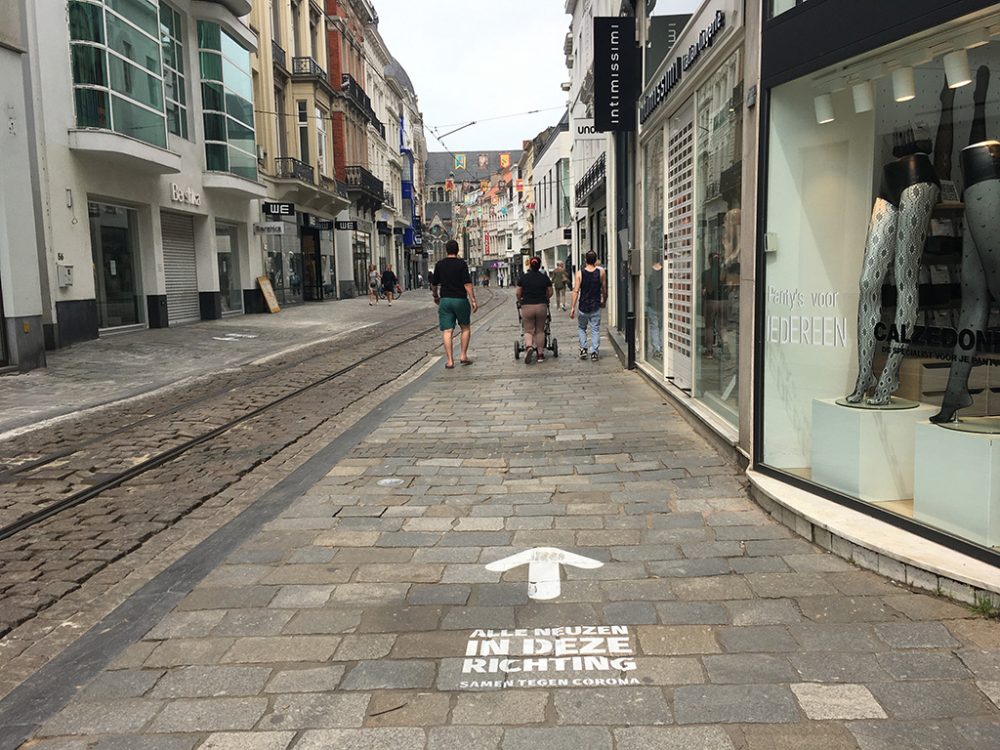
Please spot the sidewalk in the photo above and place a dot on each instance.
(364, 617)
(124, 365)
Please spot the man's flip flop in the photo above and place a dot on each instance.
(465, 361)
(449, 367)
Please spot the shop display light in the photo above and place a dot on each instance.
(864, 97)
(824, 109)
(903, 87)
(956, 69)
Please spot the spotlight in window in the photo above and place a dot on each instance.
(864, 97)
(824, 109)
(956, 69)
(903, 88)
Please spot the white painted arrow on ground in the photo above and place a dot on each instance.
(543, 568)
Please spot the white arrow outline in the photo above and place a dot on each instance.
(543, 568)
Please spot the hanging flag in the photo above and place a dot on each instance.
(460, 161)
(504, 161)
(503, 211)
(484, 185)
(484, 162)
(449, 184)
(520, 186)
(495, 200)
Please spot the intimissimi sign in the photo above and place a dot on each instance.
(675, 72)
(616, 73)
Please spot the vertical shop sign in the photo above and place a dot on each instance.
(616, 73)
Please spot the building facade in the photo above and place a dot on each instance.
(297, 96)
(145, 142)
(553, 219)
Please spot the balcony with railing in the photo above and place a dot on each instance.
(379, 126)
(363, 182)
(390, 199)
(354, 93)
(307, 69)
(278, 57)
(592, 180)
(290, 168)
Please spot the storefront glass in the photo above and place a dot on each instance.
(652, 321)
(114, 240)
(284, 263)
(228, 258)
(718, 186)
(881, 285)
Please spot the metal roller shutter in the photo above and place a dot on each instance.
(179, 266)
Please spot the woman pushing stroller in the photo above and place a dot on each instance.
(534, 289)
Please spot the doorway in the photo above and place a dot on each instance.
(114, 239)
(312, 265)
(227, 253)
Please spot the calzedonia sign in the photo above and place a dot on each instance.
(616, 74)
(674, 73)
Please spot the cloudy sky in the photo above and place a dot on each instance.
(479, 59)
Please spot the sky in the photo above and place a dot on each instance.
(479, 59)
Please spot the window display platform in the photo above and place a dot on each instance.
(957, 482)
(874, 544)
(866, 453)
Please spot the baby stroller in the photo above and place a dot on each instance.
(550, 342)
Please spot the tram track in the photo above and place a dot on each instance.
(130, 500)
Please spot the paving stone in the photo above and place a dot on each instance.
(389, 674)
(408, 709)
(231, 597)
(307, 680)
(316, 711)
(836, 637)
(243, 622)
(501, 709)
(991, 689)
(923, 665)
(711, 589)
(149, 742)
(370, 594)
(358, 647)
(630, 613)
(677, 640)
(812, 735)
(672, 738)
(186, 624)
(763, 612)
(748, 669)
(923, 607)
(729, 704)
(936, 699)
(757, 639)
(783, 585)
(248, 741)
(977, 633)
(833, 667)
(434, 645)
(842, 702)
(211, 682)
(647, 590)
(116, 717)
(209, 715)
(845, 609)
(690, 568)
(896, 735)
(499, 595)
(546, 614)
(323, 622)
(980, 734)
(282, 648)
(391, 738)
(399, 619)
(438, 593)
(464, 738)
(179, 652)
(630, 706)
(126, 683)
(472, 618)
(562, 738)
(668, 670)
(301, 597)
(915, 635)
(692, 613)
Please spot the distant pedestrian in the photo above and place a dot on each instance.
(534, 291)
(373, 283)
(389, 283)
(559, 279)
(456, 301)
(591, 291)
(420, 281)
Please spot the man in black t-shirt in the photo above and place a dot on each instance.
(456, 301)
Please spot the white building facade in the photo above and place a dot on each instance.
(553, 218)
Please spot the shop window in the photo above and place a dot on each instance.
(303, 121)
(652, 319)
(117, 67)
(719, 186)
(680, 332)
(174, 83)
(881, 332)
(227, 101)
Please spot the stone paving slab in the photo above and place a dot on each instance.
(351, 630)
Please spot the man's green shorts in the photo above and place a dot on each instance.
(452, 310)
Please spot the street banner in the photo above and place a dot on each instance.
(495, 199)
(484, 185)
(519, 186)
(449, 184)
(504, 161)
(483, 162)
(616, 73)
(460, 161)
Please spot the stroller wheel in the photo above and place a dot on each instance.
(517, 350)
(555, 348)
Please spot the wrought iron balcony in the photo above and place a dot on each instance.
(307, 68)
(390, 199)
(352, 89)
(360, 180)
(591, 180)
(289, 168)
(278, 55)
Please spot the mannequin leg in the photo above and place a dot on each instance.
(945, 141)
(980, 283)
(977, 133)
(879, 248)
(914, 221)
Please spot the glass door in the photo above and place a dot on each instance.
(680, 248)
(312, 266)
(114, 239)
(228, 258)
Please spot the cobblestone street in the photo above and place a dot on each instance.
(363, 616)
